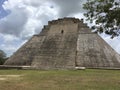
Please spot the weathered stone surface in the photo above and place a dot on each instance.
(66, 44)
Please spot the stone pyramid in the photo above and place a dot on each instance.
(65, 44)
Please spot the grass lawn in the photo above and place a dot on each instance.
(89, 79)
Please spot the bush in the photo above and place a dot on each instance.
(3, 57)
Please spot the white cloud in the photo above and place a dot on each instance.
(10, 44)
(69, 7)
(27, 17)
(26, 14)
(114, 43)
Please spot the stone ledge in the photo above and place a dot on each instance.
(80, 68)
(14, 67)
(104, 68)
(58, 21)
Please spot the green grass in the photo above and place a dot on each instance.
(90, 79)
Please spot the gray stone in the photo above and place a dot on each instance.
(65, 44)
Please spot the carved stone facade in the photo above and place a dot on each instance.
(65, 44)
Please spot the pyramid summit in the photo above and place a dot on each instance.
(65, 44)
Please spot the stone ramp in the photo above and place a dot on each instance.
(56, 52)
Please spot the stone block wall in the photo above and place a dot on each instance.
(65, 44)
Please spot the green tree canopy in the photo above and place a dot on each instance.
(2, 57)
(105, 14)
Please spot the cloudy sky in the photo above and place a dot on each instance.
(20, 19)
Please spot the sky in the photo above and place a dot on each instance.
(20, 19)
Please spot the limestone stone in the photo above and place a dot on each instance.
(65, 43)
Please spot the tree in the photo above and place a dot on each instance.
(2, 57)
(105, 14)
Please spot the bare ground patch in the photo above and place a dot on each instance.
(9, 77)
